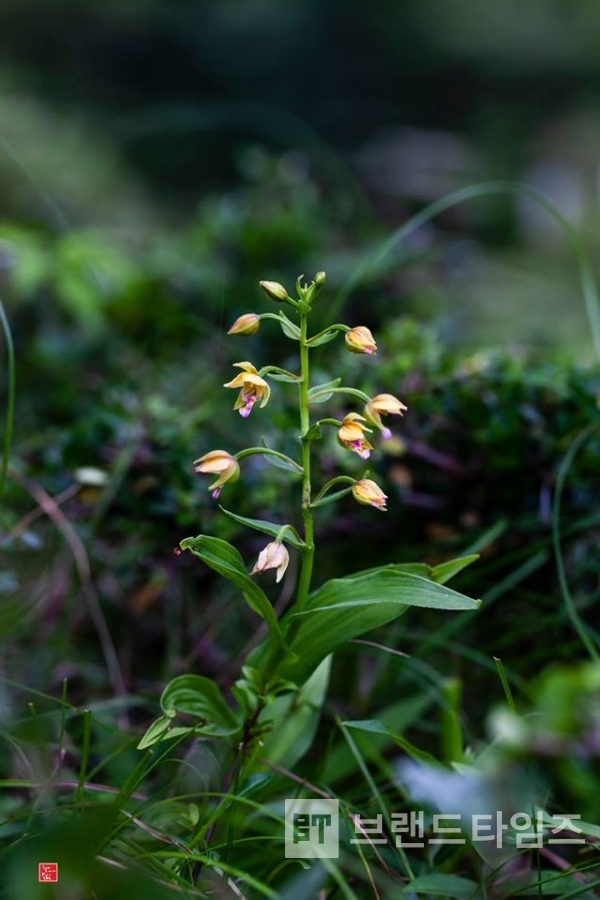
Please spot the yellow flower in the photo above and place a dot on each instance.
(352, 435)
(221, 463)
(249, 323)
(369, 493)
(253, 388)
(360, 340)
(274, 556)
(383, 405)
(274, 290)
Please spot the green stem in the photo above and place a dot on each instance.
(266, 451)
(352, 392)
(329, 420)
(331, 329)
(281, 533)
(339, 479)
(277, 370)
(307, 513)
(331, 498)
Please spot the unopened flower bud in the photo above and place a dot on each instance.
(369, 493)
(360, 340)
(274, 291)
(274, 556)
(249, 323)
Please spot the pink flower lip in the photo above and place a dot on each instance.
(357, 446)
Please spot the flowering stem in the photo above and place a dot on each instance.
(307, 513)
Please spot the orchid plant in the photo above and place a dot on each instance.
(274, 705)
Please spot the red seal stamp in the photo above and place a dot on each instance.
(47, 872)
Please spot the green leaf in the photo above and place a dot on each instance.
(374, 726)
(200, 697)
(289, 329)
(314, 433)
(322, 392)
(584, 827)
(440, 574)
(345, 608)
(447, 570)
(324, 338)
(174, 731)
(227, 561)
(163, 729)
(444, 886)
(408, 568)
(295, 718)
(272, 460)
(389, 584)
(400, 715)
(291, 536)
(156, 732)
(278, 374)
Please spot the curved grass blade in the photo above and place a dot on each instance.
(10, 401)
(473, 192)
(576, 621)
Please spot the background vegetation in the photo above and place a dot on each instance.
(158, 159)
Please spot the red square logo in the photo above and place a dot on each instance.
(47, 872)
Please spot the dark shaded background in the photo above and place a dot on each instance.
(125, 116)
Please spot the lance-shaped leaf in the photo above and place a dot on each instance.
(200, 697)
(447, 570)
(163, 729)
(441, 573)
(295, 717)
(322, 392)
(278, 374)
(291, 535)
(322, 338)
(289, 328)
(227, 561)
(345, 608)
(437, 884)
(374, 726)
